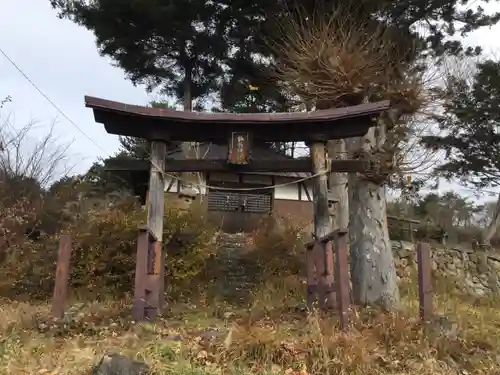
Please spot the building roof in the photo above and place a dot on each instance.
(171, 125)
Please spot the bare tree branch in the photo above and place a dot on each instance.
(24, 155)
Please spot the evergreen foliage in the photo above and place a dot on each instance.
(470, 122)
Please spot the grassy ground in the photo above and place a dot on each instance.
(268, 335)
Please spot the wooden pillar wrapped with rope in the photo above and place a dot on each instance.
(150, 267)
(320, 254)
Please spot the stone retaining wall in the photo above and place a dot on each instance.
(475, 272)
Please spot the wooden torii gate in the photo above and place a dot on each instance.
(238, 131)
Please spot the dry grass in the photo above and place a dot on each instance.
(270, 336)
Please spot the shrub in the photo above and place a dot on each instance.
(20, 205)
(190, 243)
(104, 241)
(278, 248)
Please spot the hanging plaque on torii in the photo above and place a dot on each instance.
(239, 150)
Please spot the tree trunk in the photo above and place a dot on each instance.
(338, 185)
(373, 272)
(492, 228)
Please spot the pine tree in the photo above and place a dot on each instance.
(471, 140)
(174, 46)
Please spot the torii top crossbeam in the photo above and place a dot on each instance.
(171, 125)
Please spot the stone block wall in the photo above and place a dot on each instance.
(475, 272)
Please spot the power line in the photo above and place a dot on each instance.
(18, 68)
(48, 99)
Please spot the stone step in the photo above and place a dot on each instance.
(236, 281)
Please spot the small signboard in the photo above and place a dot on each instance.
(239, 148)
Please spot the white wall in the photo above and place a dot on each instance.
(309, 186)
(291, 191)
(171, 185)
(288, 192)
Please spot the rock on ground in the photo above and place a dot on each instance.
(115, 364)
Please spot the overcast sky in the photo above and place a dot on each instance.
(61, 59)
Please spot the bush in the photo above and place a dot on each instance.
(278, 249)
(19, 207)
(104, 241)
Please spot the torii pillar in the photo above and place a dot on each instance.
(150, 267)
